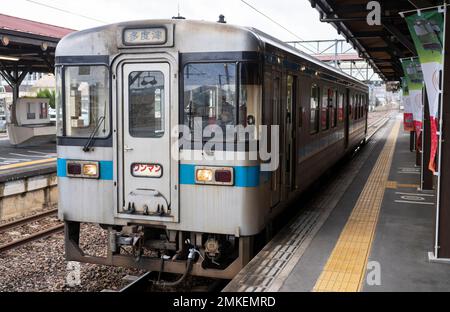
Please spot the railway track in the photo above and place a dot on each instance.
(145, 283)
(377, 124)
(10, 225)
(140, 284)
(32, 237)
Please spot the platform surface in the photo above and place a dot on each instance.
(370, 230)
(17, 162)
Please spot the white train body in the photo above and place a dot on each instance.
(122, 91)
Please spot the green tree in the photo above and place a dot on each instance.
(47, 94)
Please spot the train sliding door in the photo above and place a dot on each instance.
(347, 117)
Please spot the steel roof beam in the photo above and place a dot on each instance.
(325, 7)
(367, 34)
(400, 37)
(356, 19)
(359, 8)
(421, 3)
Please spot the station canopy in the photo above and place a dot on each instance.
(28, 46)
(381, 45)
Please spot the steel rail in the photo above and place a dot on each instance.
(137, 285)
(35, 236)
(10, 225)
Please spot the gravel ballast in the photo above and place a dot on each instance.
(41, 266)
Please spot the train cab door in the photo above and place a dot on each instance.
(276, 115)
(146, 153)
(289, 133)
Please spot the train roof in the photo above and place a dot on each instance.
(191, 36)
(287, 47)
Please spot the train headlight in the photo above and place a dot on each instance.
(83, 169)
(204, 175)
(90, 170)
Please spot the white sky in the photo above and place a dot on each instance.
(296, 15)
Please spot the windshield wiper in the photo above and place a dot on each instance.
(87, 146)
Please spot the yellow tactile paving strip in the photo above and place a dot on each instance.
(28, 163)
(346, 266)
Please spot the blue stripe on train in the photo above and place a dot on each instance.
(106, 169)
(243, 176)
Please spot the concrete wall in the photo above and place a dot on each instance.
(20, 197)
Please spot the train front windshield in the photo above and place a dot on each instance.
(210, 94)
(221, 94)
(86, 102)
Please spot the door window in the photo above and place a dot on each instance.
(325, 115)
(146, 104)
(314, 109)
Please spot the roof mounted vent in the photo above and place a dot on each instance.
(221, 19)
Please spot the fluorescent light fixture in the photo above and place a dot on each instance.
(9, 58)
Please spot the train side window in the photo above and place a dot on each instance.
(325, 113)
(58, 101)
(333, 107)
(363, 105)
(363, 108)
(353, 107)
(298, 104)
(340, 107)
(360, 106)
(314, 109)
(290, 96)
(267, 100)
(350, 106)
(249, 95)
(358, 100)
(86, 101)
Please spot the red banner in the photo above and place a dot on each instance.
(434, 144)
(418, 128)
(408, 123)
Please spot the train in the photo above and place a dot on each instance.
(148, 117)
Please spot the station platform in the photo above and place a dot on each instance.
(25, 161)
(370, 229)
